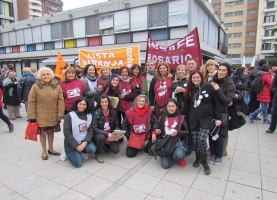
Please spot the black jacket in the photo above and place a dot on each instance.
(98, 122)
(225, 94)
(70, 143)
(126, 125)
(24, 86)
(11, 100)
(180, 96)
(274, 87)
(203, 116)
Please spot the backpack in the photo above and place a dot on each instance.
(256, 84)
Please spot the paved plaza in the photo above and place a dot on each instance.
(247, 173)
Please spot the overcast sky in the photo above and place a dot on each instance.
(70, 4)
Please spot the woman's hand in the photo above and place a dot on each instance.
(230, 104)
(59, 119)
(80, 148)
(215, 85)
(217, 122)
(152, 108)
(110, 135)
(84, 144)
(174, 132)
(154, 138)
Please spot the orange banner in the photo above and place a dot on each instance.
(114, 58)
(60, 64)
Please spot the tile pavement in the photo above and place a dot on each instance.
(248, 172)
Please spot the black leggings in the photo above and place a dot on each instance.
(119, 117)
(4, 117)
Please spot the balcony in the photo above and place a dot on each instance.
(269, 23)
(268, 37)
(35, 14)
(275, 41)
(39, 8)
(267, 10)
(35, 1)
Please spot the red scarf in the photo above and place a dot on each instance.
(106, 113)
(135, 79)
(141, 111)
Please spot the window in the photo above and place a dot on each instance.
(235, 55)
(237, 23)
(238, 13)
(16, 49)
(237, 45)
(106, 24)
(251, 33)
(268, 19)
(139, 18)
(177, 13)
(249, 55)
(31, 47)
(124, 38)
(229, 35)
(229, 14)
(229, 4)
(237, 35)
(228, 55)
(229, 46)
(49, 45)
(252, 1)
(217, 5)
(157, 15)
(266, 46)
(239, 2)
(251, 12)
(69, 44)
(56, 31)
(121, 21)
(95, 41)
(92, 25)
(268, 33)
(2, 50)
(67, 29)
(251, 22)
(162, 34)
(227, 25)
(249, 44)
(270, 4)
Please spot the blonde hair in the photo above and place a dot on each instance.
(136, 99)
(33, 69)
(176, 76)
(26, 69)
(204, 71)
(105, 67)
(68, 70)
(45, 69)
(158, 74)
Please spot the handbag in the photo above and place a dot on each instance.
(224, 119)
(136, 141)
(31, 131)
(165, 146)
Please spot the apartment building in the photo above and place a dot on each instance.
(113, 24)
(266, 37)
(240, 19)
(52, 6)
(8, 12)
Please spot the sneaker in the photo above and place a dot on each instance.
(257, 118)
(217, 161)
(250, 119)
(182, 163)
(11, 128)
(99, 158)
(85, 156)
(211, 159)
(266, 122)
(63, 157)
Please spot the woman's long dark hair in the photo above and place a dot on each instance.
(75, 107)
(190, 83)
(86, 69)
(134, 67)
(112, 112)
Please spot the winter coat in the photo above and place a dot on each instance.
(98, 122)
(88, 93)
(240, 82)
(209, 109)
(225, 94)
(70, 143)
(264, 95)
(8, 99)
(46, 103)
(180, 97)
(24, 85)
(274, 87)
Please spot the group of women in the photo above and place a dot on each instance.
(181, 106)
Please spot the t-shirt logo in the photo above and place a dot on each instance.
(125, 92)
(73, 93)
(83, 128)
(140, 128)
(162, 90)
(106, 126)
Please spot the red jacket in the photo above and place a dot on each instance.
(264, 95)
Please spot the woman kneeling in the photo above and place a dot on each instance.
(78, 133)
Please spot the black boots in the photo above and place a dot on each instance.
(197, 162)
(203, 158)
(147, 148)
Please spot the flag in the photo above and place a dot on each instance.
(60, 64)
(253, 62)
(243, 61)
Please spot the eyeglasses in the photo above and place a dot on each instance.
(150, 64)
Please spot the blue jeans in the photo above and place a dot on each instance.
(75, 157)
(274, 115)
(246, 96)
(263, 109)
(179, 154)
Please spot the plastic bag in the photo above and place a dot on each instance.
(31, 131)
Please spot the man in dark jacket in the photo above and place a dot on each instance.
(24, 86)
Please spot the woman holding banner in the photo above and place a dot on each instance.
(160, 89)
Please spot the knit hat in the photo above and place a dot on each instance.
(26, 69)
(113, 75)
(265, 68)
(229, 68)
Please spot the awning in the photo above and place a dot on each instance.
(221, 60)
(53, 60)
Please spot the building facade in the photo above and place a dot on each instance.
(8, 12)
(110, 25)
(52, 6)
(266, 36)
(240, 18)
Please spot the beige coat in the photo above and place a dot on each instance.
(46, 103)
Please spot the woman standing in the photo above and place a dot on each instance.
(129, 91)
(204, 111)
(78, 133)
(174, 124)
(240, 80)
(105, 75)
(46, 106)
(104, 123)
(179, 86)
(209, 70)
(139, 80)
(10, 95)
(3, 116)
(225, 91)
(90, 81)
(140, 121)
(160, 89)
(72, 88)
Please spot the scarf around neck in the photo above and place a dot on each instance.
(91, 78)
(125, 80)
(141, 111)
(151, 72)
(134, 78)
(211, 75)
